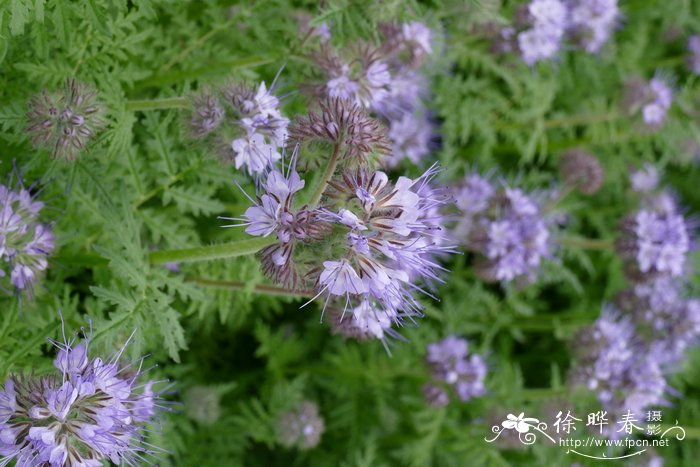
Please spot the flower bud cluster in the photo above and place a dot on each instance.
(25, 243)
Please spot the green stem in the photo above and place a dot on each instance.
(258, 288)
(210, 252)
(327, 175)
(158, 104)
(587, 243)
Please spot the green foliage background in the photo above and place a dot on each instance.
(143, 185)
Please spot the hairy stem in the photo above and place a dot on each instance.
(158, 104)
(258, 288)
(211, 252)
(327, 175)
(587, 243)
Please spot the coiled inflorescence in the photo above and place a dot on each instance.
(247, 121)
(65, 123)
(581, 170)
(363, 247)
(91, 410)
(386, 80)
(451, 367)
(25, 243)
(651, 99)
(505, 227)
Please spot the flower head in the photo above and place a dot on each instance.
(25, 243)
(655, 241)
(301, 427)
(592, 22)
(91, 410)
(581, 170)
(505, 227)
(65, 123)
(548, 23)
(651, 99)
(207, 114)
(608, 363)
(645, 179)
(451, 366)
(341, 121)
(694, 51)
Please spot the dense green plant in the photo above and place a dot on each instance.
(143, 193)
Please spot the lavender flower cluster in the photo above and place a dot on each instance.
(25, 243)
(378, 239)
(625, 356)
(386, 80)
(247, 122)
(542, 26)
(652, 100)
(451, 366)
(90, 411)
(504, 226)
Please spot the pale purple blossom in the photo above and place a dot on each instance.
(592, 21)
(506, 227)
(657, 242)
(451, 366)
(645, 179)
(89, 412)
(694, 57)
(25, 243)
(548, 23)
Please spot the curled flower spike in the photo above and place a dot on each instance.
(450, 367)
(651, 99)
(581, 170)
(386, 81)
(592, 22)
(505, 226)
(364, 249)
(301, 427)
(65, 123)
(247, 123)
(694, 54)
(89, 411)
(207, 114)
(548, 22)
(607, 362)
(25, 243)
(274, 212)
(341, 121)
(655, 240)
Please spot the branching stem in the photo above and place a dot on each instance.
(158, 104)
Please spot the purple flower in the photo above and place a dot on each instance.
(25, 244)
(392, 238)
(694, 58)
(548, 23)
(651, 99)
(645, 179)
(89, 412)
(592, 21)
(655, 241)
(608, 363)
(253, 153)
(274, 212)
(451, 366)
(505, 227)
